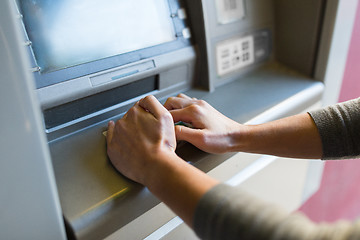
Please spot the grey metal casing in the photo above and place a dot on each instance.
(95, 198)
(295, 29)
(29, 203)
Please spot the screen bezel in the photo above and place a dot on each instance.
(81, 70)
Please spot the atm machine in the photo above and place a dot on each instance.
(91, 60)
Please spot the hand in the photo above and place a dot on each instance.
(143, 137)
(142, 145)
(212, 132)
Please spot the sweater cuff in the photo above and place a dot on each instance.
(339, 130)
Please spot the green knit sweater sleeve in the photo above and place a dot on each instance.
(227, 213)
(339, 128)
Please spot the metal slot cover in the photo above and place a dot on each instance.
(121, 73)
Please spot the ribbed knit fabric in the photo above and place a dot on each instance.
(227, 213)
(339, 128)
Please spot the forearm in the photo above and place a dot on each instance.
(179, 185)
(296, 136)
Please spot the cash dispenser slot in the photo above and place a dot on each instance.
(71, 111)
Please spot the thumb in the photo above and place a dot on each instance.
(110, 132)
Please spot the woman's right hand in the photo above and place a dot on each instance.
(211, 131)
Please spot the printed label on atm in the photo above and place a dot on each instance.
(234, 54)
(229, 11)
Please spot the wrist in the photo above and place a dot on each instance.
(240, 139)
(178, 184)
(160, 167)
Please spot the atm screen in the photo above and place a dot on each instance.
(72, 32)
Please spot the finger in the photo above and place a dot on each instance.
(183, 115)
(125, 116)
(151, 104)
(190, 135)
(132, 112)
(110, 132)
(177, 102)
(181, 95)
